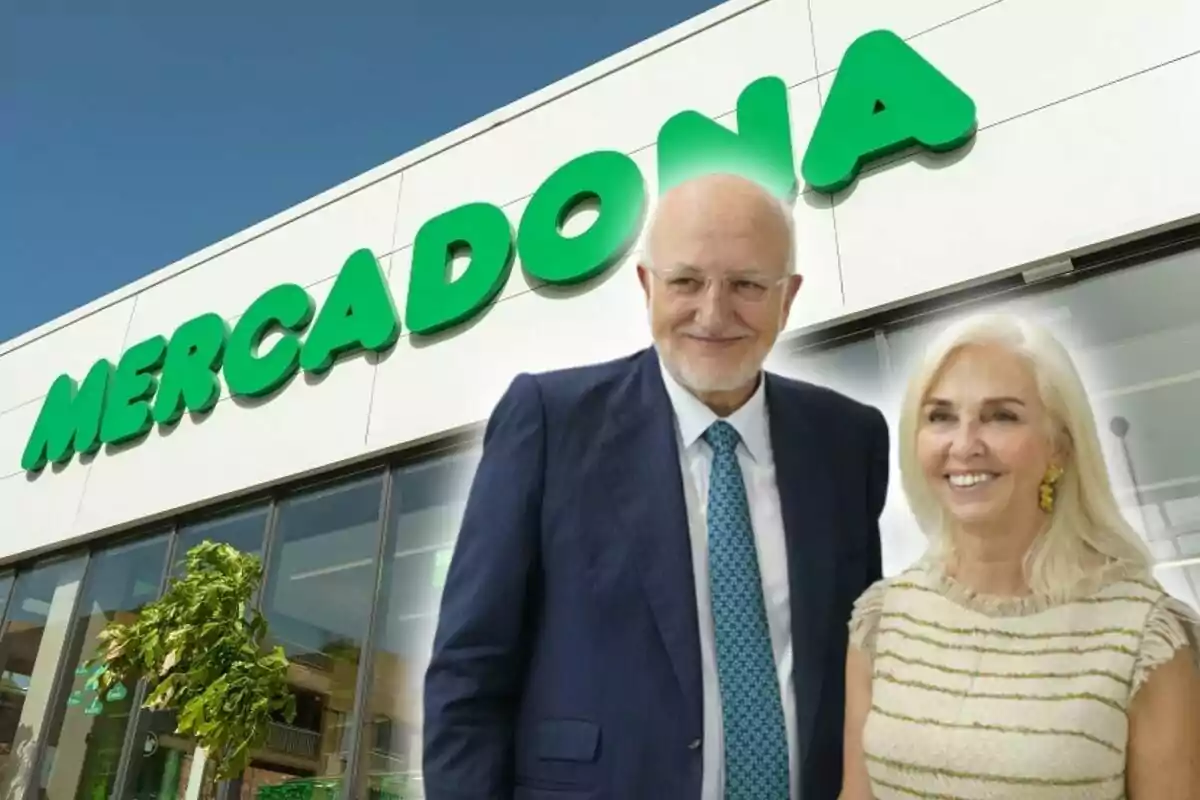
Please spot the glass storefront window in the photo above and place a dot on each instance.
(850, 365)
(87, 731)
(6, 583)
(166, 765)
(243, 529)
(319, 594)
(31, 648)
(428, 501)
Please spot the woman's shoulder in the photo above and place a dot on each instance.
(1167, 623)
(869, 607)
(1138, 591)
(1132, 601)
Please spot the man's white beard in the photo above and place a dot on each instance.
(703, 379)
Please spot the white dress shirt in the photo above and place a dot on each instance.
(692, 419)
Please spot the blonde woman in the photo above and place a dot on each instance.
(1030, 653)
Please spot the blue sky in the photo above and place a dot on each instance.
(136, 135)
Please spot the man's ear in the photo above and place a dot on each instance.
(789, 295)
(644, 278)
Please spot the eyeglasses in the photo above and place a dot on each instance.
(686, 283)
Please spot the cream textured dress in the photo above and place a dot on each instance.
(978, 697)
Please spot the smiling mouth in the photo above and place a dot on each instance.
(969, 480)
(716, 341)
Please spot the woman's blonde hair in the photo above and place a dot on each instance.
(1087, 535)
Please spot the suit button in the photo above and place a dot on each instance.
(694, 745)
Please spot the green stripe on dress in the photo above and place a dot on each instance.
(975, 673)
(887, 677)
(983, 726)
(895, 787)
(984, 777)
(1046, 651)
(1086, 634)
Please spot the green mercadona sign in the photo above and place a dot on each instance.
(885, 98)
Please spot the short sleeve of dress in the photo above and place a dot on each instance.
(864, 618)
(1172, 625)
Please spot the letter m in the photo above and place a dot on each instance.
(69, 421)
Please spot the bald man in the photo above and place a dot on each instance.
(649, 594)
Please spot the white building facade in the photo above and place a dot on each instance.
(1073, 197)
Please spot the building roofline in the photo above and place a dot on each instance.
(531, 102)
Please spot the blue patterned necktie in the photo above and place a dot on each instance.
(756, 757)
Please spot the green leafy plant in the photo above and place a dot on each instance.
(302, 789)
(200, 649)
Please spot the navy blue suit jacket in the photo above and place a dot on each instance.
(566, 663)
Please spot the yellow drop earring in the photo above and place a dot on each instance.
(1048, 488)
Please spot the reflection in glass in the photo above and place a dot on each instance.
(850, 365)
(167, 764)
(169, 767)
(242, 529)
(427, 507)
(31, 647)
(319, 593)
(87, 732)
(6, 583)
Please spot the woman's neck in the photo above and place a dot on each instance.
(991, 560)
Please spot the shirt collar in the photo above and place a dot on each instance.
(693, 418)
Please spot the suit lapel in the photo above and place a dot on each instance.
(639, 465)
(807, 501)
